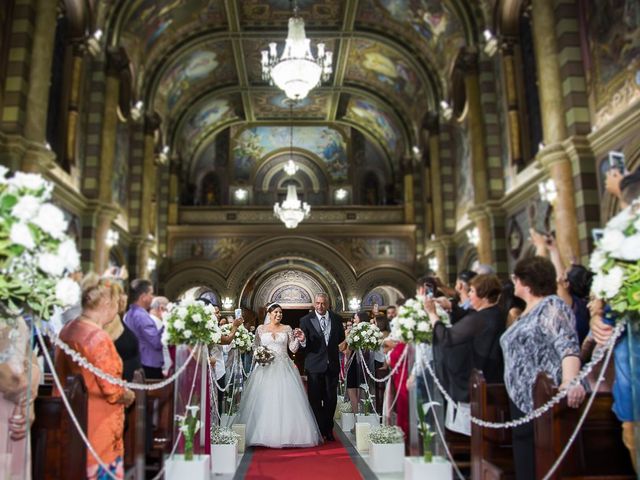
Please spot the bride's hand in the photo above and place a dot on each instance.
(299, 334)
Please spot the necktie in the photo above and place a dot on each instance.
(323, 327)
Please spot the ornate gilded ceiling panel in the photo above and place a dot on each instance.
(209, 64)
(430, 24)
(269, 13)
(378, 121)
(385, 71)
(252, 145)
(205, 117)
(275, 105)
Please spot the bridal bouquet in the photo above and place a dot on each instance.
(190, 322)
(263, 356)
(413, 325)
(616, 262)
(35, 252)
(364, 336)
(242, 340)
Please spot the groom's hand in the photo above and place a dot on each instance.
(299, 334)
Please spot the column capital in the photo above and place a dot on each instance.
(116, 61)
(468, 60)
(552, 154)
(152, 122)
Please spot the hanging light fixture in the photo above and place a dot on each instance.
(290, 168)
(291, 211)
(296, 71)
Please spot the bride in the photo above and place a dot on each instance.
(274, 405)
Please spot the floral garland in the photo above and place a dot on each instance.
(364, 336)
(242, 340)
(35, 252)
(616, 262)
(190, 322)
(413, 325)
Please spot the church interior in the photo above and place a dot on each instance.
(440, 137)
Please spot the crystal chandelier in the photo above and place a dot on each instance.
(296, 71)
(292, 211)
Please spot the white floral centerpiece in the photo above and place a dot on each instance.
(242, 340)
(35, 252)
(412, 325)
(223, 436)
(190, 322)
(386, 434)
(616, 262)
(386, 449)
(364, 336)
(224, 450)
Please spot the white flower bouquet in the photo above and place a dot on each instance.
(242, 340)
(190, 322)
(263, 355)
(412, 325)
(386, 434)
(616, 262)
(35, 252)
(223, 436)
(364, 336)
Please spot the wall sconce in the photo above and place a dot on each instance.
(137, 110)
(227, 303)
(447, 111)
(341, 194)
(113, 237)
(241, 194)
(93, 43)
(354, 304)
(548, 191)
(491, 43)
(163, 156)
(151, 265)
(473, 236)
(433, 264)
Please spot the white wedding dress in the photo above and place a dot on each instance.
(274, 405)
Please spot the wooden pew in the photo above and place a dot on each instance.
(161, 401)
(491, 452)
(58, 452)
(135, 432)
(597, 453)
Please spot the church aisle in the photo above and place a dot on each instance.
(337, 459)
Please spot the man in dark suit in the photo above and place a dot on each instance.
(323, 332)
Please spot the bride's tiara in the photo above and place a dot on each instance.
(271, 305)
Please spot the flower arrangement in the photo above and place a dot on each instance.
(425, 430)
(223, 436)
(364, 336)
(242, 340)
(413, 325)
(367, 406)
(263, 355)
(35, 252)
(189, 424)
(386, 434)
(616, 262)
(190, 322)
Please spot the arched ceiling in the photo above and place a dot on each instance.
(197, 63)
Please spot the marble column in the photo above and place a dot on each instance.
(483, 224)
(104, 218)
(513, 114)
(35, 129)
(174, 195)
(73, 107)
(553, 157)
(436, 185)
(409, 207)
(152, 123)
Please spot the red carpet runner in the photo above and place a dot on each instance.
(330, 460)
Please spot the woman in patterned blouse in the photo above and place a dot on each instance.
(543, 339)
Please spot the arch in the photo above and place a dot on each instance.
(192, 274)
(393, 276)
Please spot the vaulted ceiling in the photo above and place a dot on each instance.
(197, 64)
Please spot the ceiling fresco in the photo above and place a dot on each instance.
(384, 70)
(378, 122)
(204, 118)
(272, 104)
(211, 63)
(250, 146)
(197, 64)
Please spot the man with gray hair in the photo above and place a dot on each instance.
(156, 312)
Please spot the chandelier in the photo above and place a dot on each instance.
(291, 211)
(296, 71)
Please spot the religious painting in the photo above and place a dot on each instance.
(120, 177)
(268, 105)
(251, 145)
(463, 172)
(272, 12)
(613, 28)
(377, 121)
(385, 248)
(383, 69)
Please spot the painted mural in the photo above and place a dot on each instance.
(315, 12)
(378, 122)
(251, 145)
(383, 69)
(464, 178)
(277, 105)
(119, 180)
(205, 117)
(614, 48)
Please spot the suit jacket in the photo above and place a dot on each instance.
(321, 357)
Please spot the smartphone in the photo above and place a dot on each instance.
(616, 160)
(596, 234)
(238, 312)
